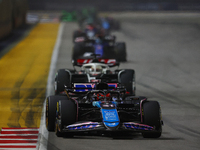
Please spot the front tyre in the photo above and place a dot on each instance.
(51, 102)
(66, 115)
(152, 117)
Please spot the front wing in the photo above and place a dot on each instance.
(95, 126)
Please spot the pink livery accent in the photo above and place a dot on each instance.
(141, 108)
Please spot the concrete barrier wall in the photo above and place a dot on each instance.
(20, 8)
(5, 17)
(12, 15)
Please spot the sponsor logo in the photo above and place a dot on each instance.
(81, 87)
(110, 115)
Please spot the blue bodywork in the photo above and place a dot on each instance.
(98, 49)
(110, 117)
(109, 113)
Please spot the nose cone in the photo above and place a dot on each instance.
(110, 118)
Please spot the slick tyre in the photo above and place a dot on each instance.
(127, 78)
(117, 25)
(68, 114)
(77, 50)
(62, 79)
(120, 49)
(152, 117)
(51, 103)
(76, 34)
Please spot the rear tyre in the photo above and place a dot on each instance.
(117, 25)
(67, 114)
(121, 51)
(51, 102)
(152, 117)
(77, 50)
(62, 79)
(76, 34)
(127, 78)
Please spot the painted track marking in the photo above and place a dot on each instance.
(19, 138)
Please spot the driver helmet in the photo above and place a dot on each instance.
(100, 96)
(90, 30)
(96, 70)
(108, 96)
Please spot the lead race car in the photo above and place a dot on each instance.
(95, 70)
(102, 110)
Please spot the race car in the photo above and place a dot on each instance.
(102, 110)
(96, 40)
(91, 16)
(95, 70)
(109, 23)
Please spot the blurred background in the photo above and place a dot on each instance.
(13, 12)
(115, 5)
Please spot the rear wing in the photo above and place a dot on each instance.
(81, 87)
(82, 61)
(84, 88)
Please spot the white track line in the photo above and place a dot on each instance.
(43, 133)
(18, 135)
(8, 139)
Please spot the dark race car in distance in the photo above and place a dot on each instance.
(94, 40)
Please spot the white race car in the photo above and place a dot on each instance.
(94, 71)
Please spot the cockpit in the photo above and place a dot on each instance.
(95, 68)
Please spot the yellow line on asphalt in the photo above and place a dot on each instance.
(23, 78)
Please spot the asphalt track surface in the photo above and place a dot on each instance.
(164, 51)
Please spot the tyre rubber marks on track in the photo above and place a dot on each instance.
(19, 138)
